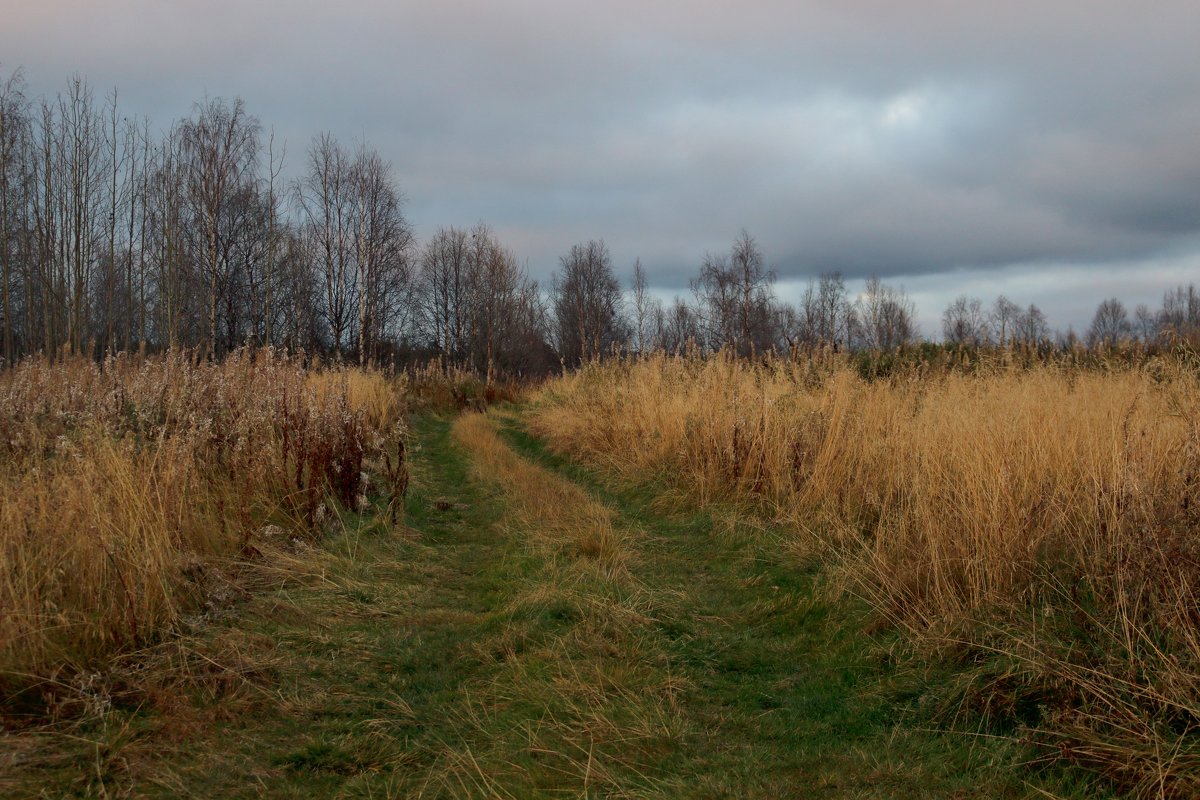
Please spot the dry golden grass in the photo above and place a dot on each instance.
(379, 400)
(554, 514)
(444, 386)
(604, 707)
(1046, 516)
(126, 486)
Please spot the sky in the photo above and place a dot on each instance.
(1049, 151)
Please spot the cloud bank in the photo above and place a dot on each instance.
(1048, 150)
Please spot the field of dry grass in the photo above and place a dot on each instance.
(653, 558)
(1035, 525)
(135, 492)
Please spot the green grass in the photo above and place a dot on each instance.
(449, 658)
(793, 696)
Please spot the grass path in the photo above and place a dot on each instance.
(531, 632)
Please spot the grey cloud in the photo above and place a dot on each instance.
(905, 139)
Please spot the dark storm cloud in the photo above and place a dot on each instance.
(904, 139)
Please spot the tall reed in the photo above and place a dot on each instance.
(1045, 518)
(122, 483)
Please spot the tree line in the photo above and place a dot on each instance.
(967, 322)
(114, 236)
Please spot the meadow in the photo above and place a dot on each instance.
(1032, 522)
(655, 576)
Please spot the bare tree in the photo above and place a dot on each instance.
(824, 315)
(274, 235)
(1180, 313)
(495, 286)
(298, 296)
(1145, 324)
(167, 222)
(477, 305)
(324, 197)
(679, 326)
(716, 293)
(641, 308)
(835, 313)
(1004, 319)
(444, 292)
(115, 170)
(885, 317)
(736, 299)
(383, 239)
(136, 149)
(526, 348)
(1110, 325)
(220, 144)
(1030, 326)
(587, 304)
(246, 241)
(790, 327)
(965, 323)
(756, 298)
(78, 177)
(14, 125)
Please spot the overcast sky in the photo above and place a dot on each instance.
(1046, 150)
